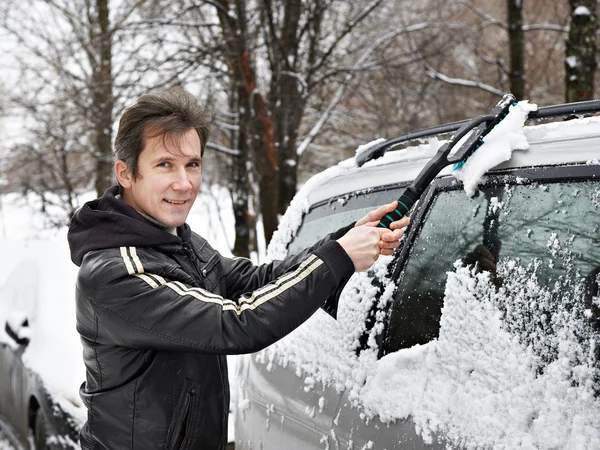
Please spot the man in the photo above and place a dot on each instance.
(158, 308)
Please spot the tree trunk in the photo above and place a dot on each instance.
(102, 92)
(515, 38)
(287, 123)
(239, 183)
(254, 117)
(580, 61)
(288, 96)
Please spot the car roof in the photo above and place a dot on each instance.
(575, 141)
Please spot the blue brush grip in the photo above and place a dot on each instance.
(405, 202)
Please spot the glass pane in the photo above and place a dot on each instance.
(548, 231)
(327, 218)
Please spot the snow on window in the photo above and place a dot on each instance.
(595, 198)
(493, 378)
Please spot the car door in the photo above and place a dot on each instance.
(282, 411)
(286, 403)
(490, 339)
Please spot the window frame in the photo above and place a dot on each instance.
(330, 200)
(516, 176)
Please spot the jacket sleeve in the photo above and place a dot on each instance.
(241, 275)
(144, 310)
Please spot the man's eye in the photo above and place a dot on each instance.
(194, 164)
(163, 164)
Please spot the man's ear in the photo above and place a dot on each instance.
(124, 175)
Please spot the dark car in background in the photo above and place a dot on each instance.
(40, 355)
(429, 350)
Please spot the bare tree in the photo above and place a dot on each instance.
(90, 51)
(54, 165)
(521, 54)
(580, 61)
(273, 58)
(286, 38)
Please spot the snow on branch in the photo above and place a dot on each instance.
(222, 149)
(371, 65)
(545, 27)
(461, 81)
(489, 19)
(169, 22)
(298, 76)
(317, 127)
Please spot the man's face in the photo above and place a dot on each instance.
(168, 180)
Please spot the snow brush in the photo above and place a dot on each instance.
(479, 127)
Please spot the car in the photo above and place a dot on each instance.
(40, 355)
(481, 331)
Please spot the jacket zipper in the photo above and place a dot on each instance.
(202, 274)
(179, 439)
(192, 256)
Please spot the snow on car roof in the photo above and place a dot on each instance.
(573, 141)
(570, 141)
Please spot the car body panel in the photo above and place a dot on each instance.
(280, 407)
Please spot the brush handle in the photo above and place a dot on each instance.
(405, 202)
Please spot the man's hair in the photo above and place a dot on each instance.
(168, 113)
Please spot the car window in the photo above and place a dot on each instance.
(334, 214)
(548, 229)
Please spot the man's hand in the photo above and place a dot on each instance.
(391, 240)
(362, 245)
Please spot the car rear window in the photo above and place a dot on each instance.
(542, 233)
(327, 217)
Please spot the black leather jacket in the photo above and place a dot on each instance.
(158, 312)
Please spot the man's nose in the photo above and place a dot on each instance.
(182, 180)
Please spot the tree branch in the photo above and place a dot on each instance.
(349, 27)
(222, 149)
(461, 81)
(489, 19)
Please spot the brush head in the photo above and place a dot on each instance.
(475, 139)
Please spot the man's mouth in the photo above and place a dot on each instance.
(175, 202)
